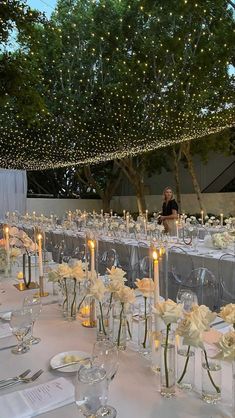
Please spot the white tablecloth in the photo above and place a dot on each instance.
(134, 391)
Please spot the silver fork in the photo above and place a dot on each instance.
(9, 379)
(23, 380)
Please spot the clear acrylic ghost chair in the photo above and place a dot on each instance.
(205, 286)
(180, 265)
(227, 278)
(108, 259)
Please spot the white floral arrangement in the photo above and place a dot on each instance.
(191, 220)
(64, 271)
(113, 225)
(212, 221)
(226, 343)
(219, 241)
(222, 240)
(19, 239)
(230, 222)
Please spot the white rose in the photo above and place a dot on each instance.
(146, 286)
(115, 273)
(77, 271)
(64, 271)
(226, 346)
(169, 311)
(97, 289)
(202, 317)
(190, 333)
(125, 295)
(227, 313)
(115, 285)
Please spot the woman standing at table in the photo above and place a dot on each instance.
(169, 211)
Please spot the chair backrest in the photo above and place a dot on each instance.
(180, 264)
(205, 285)
(227, 278)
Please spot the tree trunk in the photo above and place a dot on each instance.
(191, 169)
(176, 158)
(135, 177)
(106, 203)
(141, 203)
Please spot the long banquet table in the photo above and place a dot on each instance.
(130, 254)
(133, 392)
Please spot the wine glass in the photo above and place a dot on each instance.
(187, 298)
(35, 304)
(91, 389)
(21, 323)
(105, 355)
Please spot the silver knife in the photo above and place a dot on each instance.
(9, 346)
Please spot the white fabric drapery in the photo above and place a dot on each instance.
(13, 191)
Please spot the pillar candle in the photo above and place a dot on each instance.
(177, 229)
(202, 217)
(146, 214)
(7, 244)
(91, 245)
(156, 277)
(145, 227)
(127, 222)
(40, 255)
(221, 219)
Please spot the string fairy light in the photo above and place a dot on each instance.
(109, 88)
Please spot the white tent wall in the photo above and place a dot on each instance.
(13, 191)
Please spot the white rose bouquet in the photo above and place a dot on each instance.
(169, 312)
(191, 328)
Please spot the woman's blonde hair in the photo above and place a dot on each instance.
(164, 191)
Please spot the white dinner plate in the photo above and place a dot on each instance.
(6, 316)
(58, 360)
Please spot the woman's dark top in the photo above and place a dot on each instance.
(168, 207)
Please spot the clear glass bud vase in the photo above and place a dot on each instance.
(185, 365)
(119, 333)
(167, 363)
(211, 379)
(69, 305)
(103, 310)
(145, 327)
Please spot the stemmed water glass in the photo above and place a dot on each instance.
(91, 390)
(35, 304)
(105, 355)
(21, 323)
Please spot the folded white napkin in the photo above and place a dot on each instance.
(37, 399)
(5, 330)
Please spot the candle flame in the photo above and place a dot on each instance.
(39, 237)
(91, 243)
(155, 256)
(6, 229)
